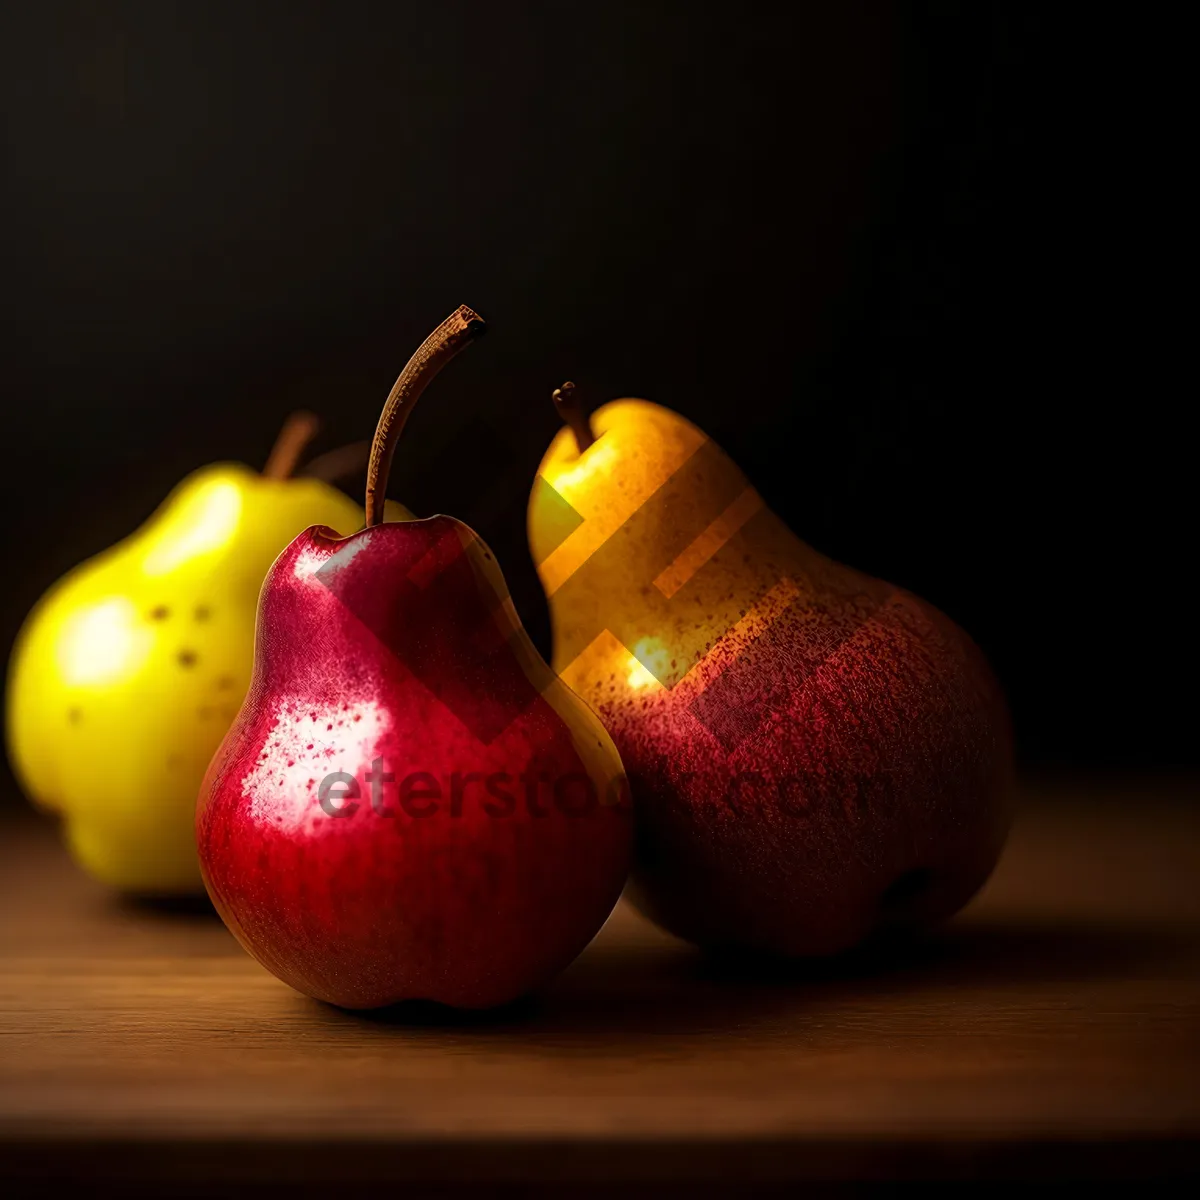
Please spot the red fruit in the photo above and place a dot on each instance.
(410, 805)
(847, 776)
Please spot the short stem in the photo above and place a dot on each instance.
(569, 411)
(455, 333)
(298, 430)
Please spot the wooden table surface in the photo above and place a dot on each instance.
(1053, 1029)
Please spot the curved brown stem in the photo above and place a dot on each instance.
(298, 430)
(573, 416)
(456, 332)
(338, 463)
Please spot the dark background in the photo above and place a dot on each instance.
(908, 263)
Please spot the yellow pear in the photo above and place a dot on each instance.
(814, 755)
(127, 673)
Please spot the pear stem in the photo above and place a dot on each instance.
(298, 430)
(455, 333)
(567, 403)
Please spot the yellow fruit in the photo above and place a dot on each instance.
(128, 672)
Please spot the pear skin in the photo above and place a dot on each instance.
(410, 804)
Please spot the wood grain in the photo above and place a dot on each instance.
(1054, 1029)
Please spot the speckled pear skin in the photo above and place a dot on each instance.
(815, 756)
(400, 644)
(874, 795)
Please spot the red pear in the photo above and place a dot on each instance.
(410, 804)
